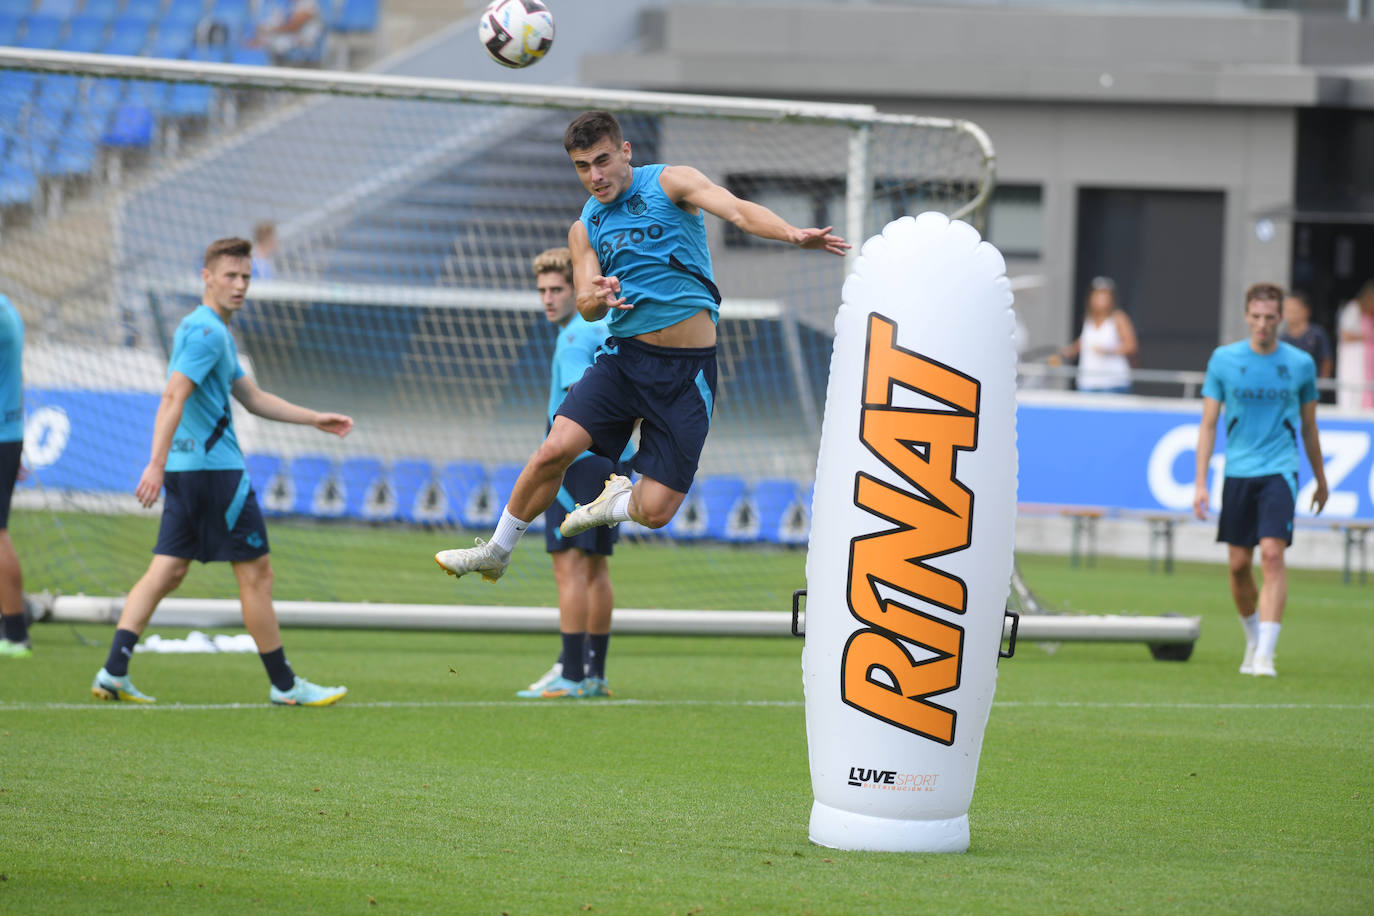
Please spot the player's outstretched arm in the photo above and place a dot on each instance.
(1206, 442)
(1311, 443)
(684, 184)
(272, 407)
(596, 295)
(169, 411)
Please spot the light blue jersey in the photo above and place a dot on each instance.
(574, 351)
(657, 250)
(1261, 395)
(11, 372)
(204, 352)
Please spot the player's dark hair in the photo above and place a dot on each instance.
(589, 127)
(227, 248)
(1264, 292)
(1302, 297)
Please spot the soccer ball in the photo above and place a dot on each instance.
(516, 33)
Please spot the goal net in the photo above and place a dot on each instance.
(407, 213)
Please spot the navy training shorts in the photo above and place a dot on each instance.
(1257, 507)
(672, 390)
(10, 453)
(211, 516)
(582, 482)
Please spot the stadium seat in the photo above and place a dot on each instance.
(101, 9)
(58, 94)
(367, 493)
(18, 185)
(502, 478)
(131, 127)
(464, 485)
(61, 9)
(41, 32)
(270, 482)
(722, 499)
(73, 154)
(173, 40)
(313, 487)
(182, 12)
(777, 507)
(147, 10)
(250, 57)
(16, 8)
(419, 498)
(189, 100)
(84, 33)
(9, 28)
(356, 16)
(128, 35)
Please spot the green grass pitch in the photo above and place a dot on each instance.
(1109, 782)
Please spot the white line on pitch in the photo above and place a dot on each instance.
(555, 704)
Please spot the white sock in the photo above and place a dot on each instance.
(1268, 638)
(508, 531)
(620, 507)
(1251, 625)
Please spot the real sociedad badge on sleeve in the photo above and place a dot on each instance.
(910, 553)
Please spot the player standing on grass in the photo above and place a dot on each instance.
(14, 631)
(585, 597)
(211, 512)
(639, 253)
(1268, 389)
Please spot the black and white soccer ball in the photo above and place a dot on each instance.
(516, 33)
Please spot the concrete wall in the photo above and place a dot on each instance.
(1138, 99)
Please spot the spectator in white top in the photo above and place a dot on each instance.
(1106, 345)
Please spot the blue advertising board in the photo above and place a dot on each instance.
(1141, 453)
(87, 441)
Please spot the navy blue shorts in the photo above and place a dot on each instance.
(582, 483)
(672, 390)
(211, 516)
(1256, 507)
(9, 473)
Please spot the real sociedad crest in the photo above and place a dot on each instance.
(636, 206)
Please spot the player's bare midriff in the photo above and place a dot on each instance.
(689, 333)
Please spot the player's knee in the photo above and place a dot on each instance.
(552, 455)
(655, 516)
(1240, 568)
(1271, 558)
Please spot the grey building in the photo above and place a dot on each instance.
(1185, 149)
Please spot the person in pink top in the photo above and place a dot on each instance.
(1355, 353)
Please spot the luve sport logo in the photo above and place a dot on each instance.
(933, 518)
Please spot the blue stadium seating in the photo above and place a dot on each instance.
(183, 11)
(464, 485)
(502, 478)
(84, 33)
(174, 39)
(270, 483)
(101, 9)
(719, 498)
(41, 32)
(62, 9)
(419, 499)
(128, 35)
(72, 154)
(16, 8)
(776, 505)
(58, 94)
(189, 100)
(18, 185)
(131, 127)
(313, 487)
(147, 10)
(359, 478)
(356, 16)
(9, 28)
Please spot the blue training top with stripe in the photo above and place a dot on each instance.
(11, 372)
(657, 250)
(1261, 394)
(204, 352)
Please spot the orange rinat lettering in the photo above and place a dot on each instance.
(932, 519)
(869, 651)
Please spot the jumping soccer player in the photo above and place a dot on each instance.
(211, 513)
(639, 253)
(1268, 389)
(580, 568)
(14, 632)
